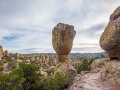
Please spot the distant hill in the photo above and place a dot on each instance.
(78, 55)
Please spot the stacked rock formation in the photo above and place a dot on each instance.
(110, 39)
(62, 41)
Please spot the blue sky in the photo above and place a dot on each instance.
(26, 25)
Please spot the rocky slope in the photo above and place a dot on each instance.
(105, 75)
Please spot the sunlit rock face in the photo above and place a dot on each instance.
(62, 40)
(1, 51)
(110, 39)
(17, 56)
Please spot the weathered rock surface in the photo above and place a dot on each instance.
(105, 75)
(98, 63)
(67, 68)
(111, 72)
(110, 39)
(62, 40)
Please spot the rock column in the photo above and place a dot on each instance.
(62, 41)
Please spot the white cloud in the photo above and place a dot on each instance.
(32, 21)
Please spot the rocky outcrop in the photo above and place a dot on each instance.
(98, 63)
(67, 68)
(62, 41)
(105, 75)
(111, 72)
(110, 39)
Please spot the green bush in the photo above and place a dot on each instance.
(11, 82)
(30, 73)
(8, 58)
(26, 77)
(1, 68)
(12, 64)
(56, 82)
(85, 66)
(1, 63)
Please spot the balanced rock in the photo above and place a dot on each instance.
(62, 41)
(110, 39)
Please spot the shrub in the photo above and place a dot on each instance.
(10, 81)
(8, 58)
(1, 63)
(85, 66)
(56, 82)
(1, 68)
(30, 73)
(12, 64)
(26, 77)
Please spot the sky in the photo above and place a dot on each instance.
(26, 25)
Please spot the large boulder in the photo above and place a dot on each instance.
(110, 39)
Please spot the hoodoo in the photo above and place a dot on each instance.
(62, 41)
